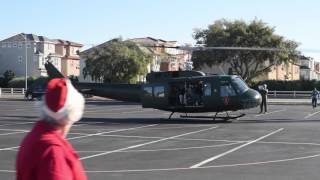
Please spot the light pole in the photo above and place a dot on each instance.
(26, 48)
(26, 60)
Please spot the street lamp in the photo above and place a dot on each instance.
(26, 48)
(26, 60)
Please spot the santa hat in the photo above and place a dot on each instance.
(62, 103)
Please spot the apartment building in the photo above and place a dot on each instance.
(309, 69)
(70, 59)
(29, 52)
(165, 59)
(289, 71)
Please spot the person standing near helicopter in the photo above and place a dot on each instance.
(314, 97)
(264, 93)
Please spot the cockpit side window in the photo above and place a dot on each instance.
(226, 89)
(239, 85)
(158, 91)
(148, 91)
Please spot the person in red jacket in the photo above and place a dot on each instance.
(44, 153)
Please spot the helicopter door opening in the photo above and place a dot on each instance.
(187, 94)
(177, 94)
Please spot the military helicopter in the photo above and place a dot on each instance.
(181, 91)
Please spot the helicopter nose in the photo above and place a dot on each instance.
(251, 98)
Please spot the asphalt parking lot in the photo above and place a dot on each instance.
(118, 140)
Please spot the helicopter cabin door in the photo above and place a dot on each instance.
(210, 93)
(147, 96)
(154, 96)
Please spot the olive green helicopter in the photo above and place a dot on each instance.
(181, 91)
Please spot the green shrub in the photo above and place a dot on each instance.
(19, 82)
(298, 85)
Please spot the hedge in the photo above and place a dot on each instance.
(298, 85)
(19, 82)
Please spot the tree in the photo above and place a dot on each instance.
(8, 75)
(117, 62)
(246, 63)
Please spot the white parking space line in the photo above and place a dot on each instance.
(181, 139)
(9, 148)
(233, 150)
(168, 149)
(7, 171)
(143, 144)
(109, 110)
(138, 111)
(205, 167)
(11, 124)
(88, 135)
(271, 112)
(4, 134)
(312, 114)
(16, 130)
(22, 109)
(118, 130)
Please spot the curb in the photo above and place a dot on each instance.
(289, 103)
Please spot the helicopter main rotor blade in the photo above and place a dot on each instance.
(237, 48)
(201, 48)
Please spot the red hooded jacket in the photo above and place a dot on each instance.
(45, 154)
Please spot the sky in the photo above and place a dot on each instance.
(96, 21)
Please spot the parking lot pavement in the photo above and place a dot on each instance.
(118, 140)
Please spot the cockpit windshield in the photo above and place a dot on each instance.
(239, 85)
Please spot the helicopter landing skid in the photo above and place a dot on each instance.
(224, 118)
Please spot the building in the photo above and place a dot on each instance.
(70, 59)
(289, 71)
(166, 57)
(15, 51)
(309, 69)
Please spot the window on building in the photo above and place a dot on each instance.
(19, 45)
(14, 45)
(8, 44)
(20, 59)
(4, 45)
(28, 45)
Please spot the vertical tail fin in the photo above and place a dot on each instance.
(52, 71)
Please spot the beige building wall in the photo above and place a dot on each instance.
(282, 72)
(70, 63)
(70, 67)
(73, 67)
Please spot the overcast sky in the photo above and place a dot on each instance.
(96, 21)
